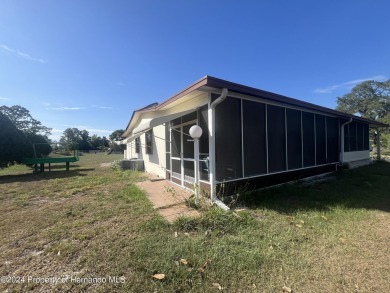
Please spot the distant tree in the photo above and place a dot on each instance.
(370, 99)
(70, 139)
(116, 135)
(85, 142)
(106, 142)
(23, 120)
(38, 146)
(13, 142)
(96, 142)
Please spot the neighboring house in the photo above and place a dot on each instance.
(250, 137)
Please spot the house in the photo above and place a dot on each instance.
(250, 137)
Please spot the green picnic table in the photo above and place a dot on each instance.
(42, 161)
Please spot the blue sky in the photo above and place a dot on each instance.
(89, 64)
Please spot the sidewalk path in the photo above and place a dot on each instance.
(168, 198)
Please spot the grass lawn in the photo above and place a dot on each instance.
(92, 222)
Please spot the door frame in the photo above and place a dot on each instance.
(181, 158)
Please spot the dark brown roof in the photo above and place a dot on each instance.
(217, 83)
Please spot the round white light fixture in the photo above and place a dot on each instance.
(195, 131)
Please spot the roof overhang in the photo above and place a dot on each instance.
(161, 119)
(131, 138)
(212, 84)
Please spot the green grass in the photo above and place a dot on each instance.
(94, 222)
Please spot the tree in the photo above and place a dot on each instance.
(13, 142)
(116, 135)
(114, 138)
(85, 142)
(19, 132)
(370, 99)
(96, 141)
(23, 120)
(71, 139)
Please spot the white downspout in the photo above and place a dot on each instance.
(211, 116)
(342, 140)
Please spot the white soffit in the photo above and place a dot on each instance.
(131, 138)
(158, 121)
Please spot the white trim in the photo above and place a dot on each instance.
(356, 156)
(160, 120)
(266, 101)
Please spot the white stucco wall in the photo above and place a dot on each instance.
(154, 163)
(356, 156)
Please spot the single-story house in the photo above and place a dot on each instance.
(250, 137)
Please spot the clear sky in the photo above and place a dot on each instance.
(91, 63)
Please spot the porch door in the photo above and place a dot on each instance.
(182, 154)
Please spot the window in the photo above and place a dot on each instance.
(356, 137)
(149, 142)
(137, 145)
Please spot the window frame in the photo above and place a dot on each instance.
(149, 142)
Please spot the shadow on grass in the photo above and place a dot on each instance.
(365, 187)
(44, 176)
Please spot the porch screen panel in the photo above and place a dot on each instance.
(366, 133)
(176, 166)
(308, 139)
(167, 147)
(188, 142)
(294, 139)
(346, 138)
(359, 136)
(255, 151)
(189, 117)
(204, 124)
(228, 139)
(320, 140)
(276, 139)
(189, 168)
(175, 142)
(332, 131)
(352, 137)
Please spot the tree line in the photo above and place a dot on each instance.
(369, 99)
(75, 139)
(19, 131)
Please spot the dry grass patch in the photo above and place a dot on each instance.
(93, 222)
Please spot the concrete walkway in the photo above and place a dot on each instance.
(168, 198)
